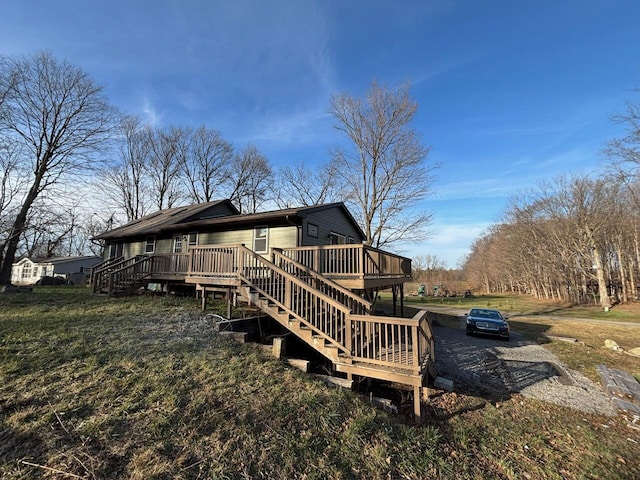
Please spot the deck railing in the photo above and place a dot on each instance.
(213, 261)
(392, 341)
(351, 260)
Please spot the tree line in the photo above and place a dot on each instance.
(72, 165)
(574, 238)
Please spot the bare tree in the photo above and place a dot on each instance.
(206, 157)
(385, 166)
(127, 181)
(12, 182)
(165, 166)
(250, 180)
(625, 150)
(60, 117)
(299, 186)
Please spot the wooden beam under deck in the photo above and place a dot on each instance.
(379, 372)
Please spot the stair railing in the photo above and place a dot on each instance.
(322, 314)
(100, 273)
(353, 302)
(133, 270)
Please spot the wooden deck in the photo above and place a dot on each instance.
(310, 291)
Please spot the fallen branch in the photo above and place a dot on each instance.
(55, 470)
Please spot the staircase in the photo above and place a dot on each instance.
(122, 277)
(336, 322)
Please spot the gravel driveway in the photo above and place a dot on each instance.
(495, 369)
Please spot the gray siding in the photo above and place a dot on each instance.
(329, 220)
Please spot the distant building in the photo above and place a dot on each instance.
(72, 269)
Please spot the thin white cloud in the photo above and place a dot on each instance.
(151, 116)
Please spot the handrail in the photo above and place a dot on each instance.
(350, 261)
(98, 273)
(327, 286)
(392, 341)
(139, 268)
(322, 314)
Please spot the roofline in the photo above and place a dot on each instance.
(290, 215)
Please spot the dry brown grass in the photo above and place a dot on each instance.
(94, 387)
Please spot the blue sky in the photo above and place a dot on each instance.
(509, 92)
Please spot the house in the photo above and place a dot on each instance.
(72, 269)
(307, 268)
(176, 230)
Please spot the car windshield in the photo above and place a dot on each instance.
(490, 314)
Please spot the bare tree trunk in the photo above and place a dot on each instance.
(603, 293)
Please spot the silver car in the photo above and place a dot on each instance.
(488, 322)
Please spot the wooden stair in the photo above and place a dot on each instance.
(361, 344)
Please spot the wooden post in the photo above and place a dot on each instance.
(394, 293)
(279, 347)
(204, 297)
(417, 405)
(229, 303)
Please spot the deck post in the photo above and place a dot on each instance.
(417, 404)
(229, 303)
(204, 297)
(394, 292)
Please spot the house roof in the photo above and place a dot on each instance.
(60, 260)
(162, 222)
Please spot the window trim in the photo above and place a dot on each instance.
(190, 243)
(313, 230)
(338, 236)
(150, 241)
(257, 238)
(177, 241)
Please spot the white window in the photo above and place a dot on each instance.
(261, 240)
(177, 243)
(26, 270)
(150, 245)
(193, 239)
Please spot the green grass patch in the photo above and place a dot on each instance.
(143, 388)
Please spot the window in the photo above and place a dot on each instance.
(177, 243)
(312, 230)
(26, 270)
(150, 245)
(193, 239)
(260, 240)
(336, 239)
(115, 250)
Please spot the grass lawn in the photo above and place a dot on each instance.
(142, 388)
